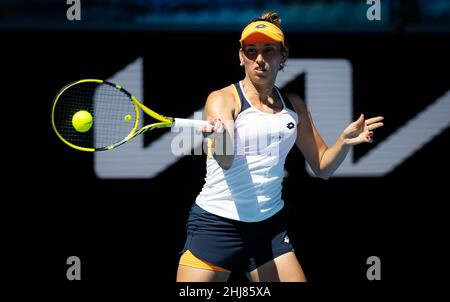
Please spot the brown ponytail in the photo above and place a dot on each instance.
(271, 17)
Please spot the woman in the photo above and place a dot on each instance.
(238, 221)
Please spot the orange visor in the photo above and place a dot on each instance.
(263, 28)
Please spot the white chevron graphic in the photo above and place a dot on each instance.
(328, 93)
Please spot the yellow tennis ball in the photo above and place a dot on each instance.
(127, 117)
(82, 121)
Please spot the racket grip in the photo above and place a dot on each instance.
(188, 123)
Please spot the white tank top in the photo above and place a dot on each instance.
(250, 190)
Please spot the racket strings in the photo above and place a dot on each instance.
(114, 115)
(70, 102)
(113, 112)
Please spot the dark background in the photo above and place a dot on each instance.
(55, 206)
(133, 229)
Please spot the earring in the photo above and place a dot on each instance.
(242, 64)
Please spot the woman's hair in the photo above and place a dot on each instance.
(271, 17)
(275, 19)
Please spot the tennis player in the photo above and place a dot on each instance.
(238, 221)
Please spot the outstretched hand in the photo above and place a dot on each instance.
(361, 130)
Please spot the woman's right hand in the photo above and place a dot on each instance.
(214, 126)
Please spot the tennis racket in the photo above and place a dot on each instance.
(95, 115)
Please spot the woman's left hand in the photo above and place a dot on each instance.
(361, 130)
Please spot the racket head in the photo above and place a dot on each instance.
(115, 114)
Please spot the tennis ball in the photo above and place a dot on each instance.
(127, 117)
(82, 121)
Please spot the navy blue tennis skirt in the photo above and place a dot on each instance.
(236, 245)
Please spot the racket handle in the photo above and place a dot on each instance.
(188, 123)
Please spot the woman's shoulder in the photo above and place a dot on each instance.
(223, 97)
(226, 93)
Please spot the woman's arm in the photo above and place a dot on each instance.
(219, 110)
(325, 160)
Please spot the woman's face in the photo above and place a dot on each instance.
(262, 58)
